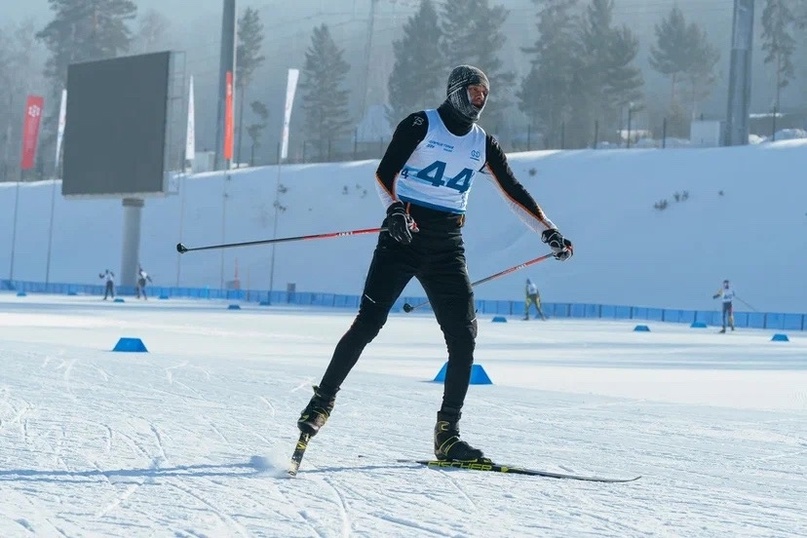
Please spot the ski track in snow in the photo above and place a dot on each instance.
(94, 443)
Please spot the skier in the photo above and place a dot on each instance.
(142, 277)
(109, 288)
(424, 179)
(532, 298)
(727, 294)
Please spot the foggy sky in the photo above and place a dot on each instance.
(289, 25)
(295, 20)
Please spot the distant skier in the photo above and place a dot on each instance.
(142, 278)
(727, 294)
(532, 297)
(109, 289)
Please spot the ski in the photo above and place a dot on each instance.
(299, 452)
(489, 466)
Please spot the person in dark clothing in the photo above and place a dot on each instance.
(142, 278)
(726, 295)
(532, 297)
(109, 287)
(424, 179)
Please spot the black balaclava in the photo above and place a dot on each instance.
(460, 78)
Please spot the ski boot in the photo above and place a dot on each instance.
(316, 413)
(447, 443)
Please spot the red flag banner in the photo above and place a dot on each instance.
(30, 130)
(228, 118)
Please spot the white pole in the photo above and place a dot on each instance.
(59, 138)
(291, 88)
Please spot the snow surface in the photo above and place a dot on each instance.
(192, 438)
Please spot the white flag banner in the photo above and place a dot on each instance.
(291, 88)
(190, 136)
(60, 128)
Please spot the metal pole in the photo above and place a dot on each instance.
(181, 223)
(7, 144)
(274, 227)
(50, 229)
(630, 113)
(14, 231)
(368, 50)
(240, 124)
(226, 63)
(596, 132)
(773, 127)
(563, 135)
(740, 73)
(130, 256)
(223, 225)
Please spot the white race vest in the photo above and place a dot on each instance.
(728, 295)
(441, 170)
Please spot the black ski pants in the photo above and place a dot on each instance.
(728, 314)
(436, 257)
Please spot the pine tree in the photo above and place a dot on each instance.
(255, 130)
(700, 75)
(324, 102)
(472, 34)
(81, 31)
(683, 52)
(801, 14)
(85, 30)
(248, 60)
(670, 55)
(547, 92)
(19, 76)
(624, 80)
(417, 81)
(152, 31)
(778, 23)
(801, 55)
(608, 79)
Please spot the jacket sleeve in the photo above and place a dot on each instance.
(517, 197)
(409, 133)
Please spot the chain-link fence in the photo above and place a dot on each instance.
(641, 132)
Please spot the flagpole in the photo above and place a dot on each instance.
(14, 228)
(59, 137)
(227, 150)
(30, 138)
(190, 155)
(50, 229)
(291, 88)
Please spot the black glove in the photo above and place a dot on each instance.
(400, 224)
(561, 247)
(715, 296)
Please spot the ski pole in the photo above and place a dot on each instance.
(408, 307)
(182, 249)
(746, 304)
